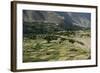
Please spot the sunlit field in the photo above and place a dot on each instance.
(57, 47)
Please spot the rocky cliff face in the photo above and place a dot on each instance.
(41, 16)
(66, 20)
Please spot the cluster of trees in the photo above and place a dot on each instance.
(48, 31)
(44, 28)
(40, 28)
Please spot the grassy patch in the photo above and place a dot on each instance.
(53, 48)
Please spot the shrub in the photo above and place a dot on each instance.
(38, 46)
(49, 38)
(71, 40)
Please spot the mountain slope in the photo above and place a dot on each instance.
(47, 21)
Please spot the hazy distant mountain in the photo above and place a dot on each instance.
(81, 19)
(58, 20)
